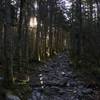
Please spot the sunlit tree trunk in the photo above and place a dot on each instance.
(98, 14)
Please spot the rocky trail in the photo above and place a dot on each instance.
(56, 80)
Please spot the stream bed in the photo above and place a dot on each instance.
(56, 80)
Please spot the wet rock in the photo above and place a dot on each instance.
(62, 91)
(73, 83)
(36, 95)
(87, 91)
(68, 84)
(33, 97)
(12, 97)
(56, 98)
(80, 93)
(1, 78)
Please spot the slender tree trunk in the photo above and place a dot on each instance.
(20, 34)
(50, 27)
(79, 24)
(8, 47)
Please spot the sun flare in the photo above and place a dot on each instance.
(33, 22)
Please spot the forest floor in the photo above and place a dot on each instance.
(57, 80)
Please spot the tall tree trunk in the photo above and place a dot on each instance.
(79, 25)
(20, 34)
(8, 47)
(50, 26)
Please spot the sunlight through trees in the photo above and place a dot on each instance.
(33, 22)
